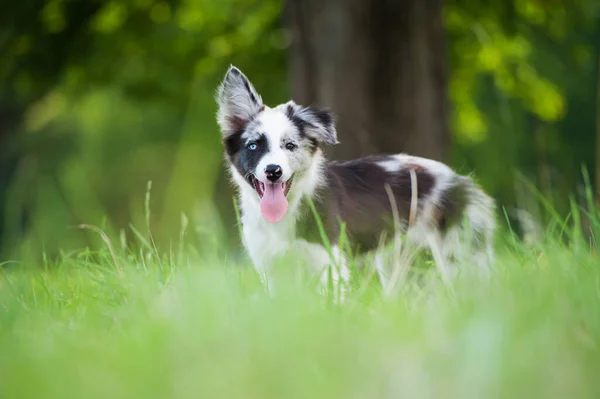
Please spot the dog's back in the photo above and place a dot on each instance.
(373, 197)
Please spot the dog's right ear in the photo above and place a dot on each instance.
(238, 102)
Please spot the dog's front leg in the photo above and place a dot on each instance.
(266, 280)
(258, 242)
(322, 265)
(264, 267)
(337, 269)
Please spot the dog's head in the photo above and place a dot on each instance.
(269, 147)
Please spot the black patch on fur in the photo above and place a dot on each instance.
(355, 194)
(325, 119)
(301, 125)
(232, 144)
(452, 203)
(298, 122)
(244, 159)
(247, 86)
(323, 116)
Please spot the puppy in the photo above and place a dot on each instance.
(276, 159)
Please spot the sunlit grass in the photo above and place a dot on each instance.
(196, 326)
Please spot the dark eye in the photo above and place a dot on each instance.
(252, 146)
(291, 146)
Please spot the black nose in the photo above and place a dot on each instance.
(273, 172)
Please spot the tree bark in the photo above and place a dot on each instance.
(380, 66)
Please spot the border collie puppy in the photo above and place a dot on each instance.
(276, 159)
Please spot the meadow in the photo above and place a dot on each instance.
(101, 298)
(114, 322)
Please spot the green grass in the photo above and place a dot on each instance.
(200, 327)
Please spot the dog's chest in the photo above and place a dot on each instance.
(264, 241)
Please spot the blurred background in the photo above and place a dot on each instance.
(97, 98)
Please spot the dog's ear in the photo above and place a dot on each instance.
(317, 123)
(238, 102)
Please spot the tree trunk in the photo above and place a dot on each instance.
(380, 66)
(10, 117)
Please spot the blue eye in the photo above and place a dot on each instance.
(252, 146)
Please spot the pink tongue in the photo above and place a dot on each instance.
(273, 204)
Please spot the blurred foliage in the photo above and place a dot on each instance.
(119, 93)
(113, 94)
(523, 91)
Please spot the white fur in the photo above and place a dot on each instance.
(267, 242)
(275, 125)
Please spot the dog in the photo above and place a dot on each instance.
(276, 157)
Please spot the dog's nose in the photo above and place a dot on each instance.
(273, 172)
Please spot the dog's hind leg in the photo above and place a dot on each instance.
(394, 260)
(468, 248)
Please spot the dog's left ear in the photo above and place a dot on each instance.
(238, 102)
(316, 122)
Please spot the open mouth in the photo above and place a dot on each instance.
(260, 187)
(273, 198)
